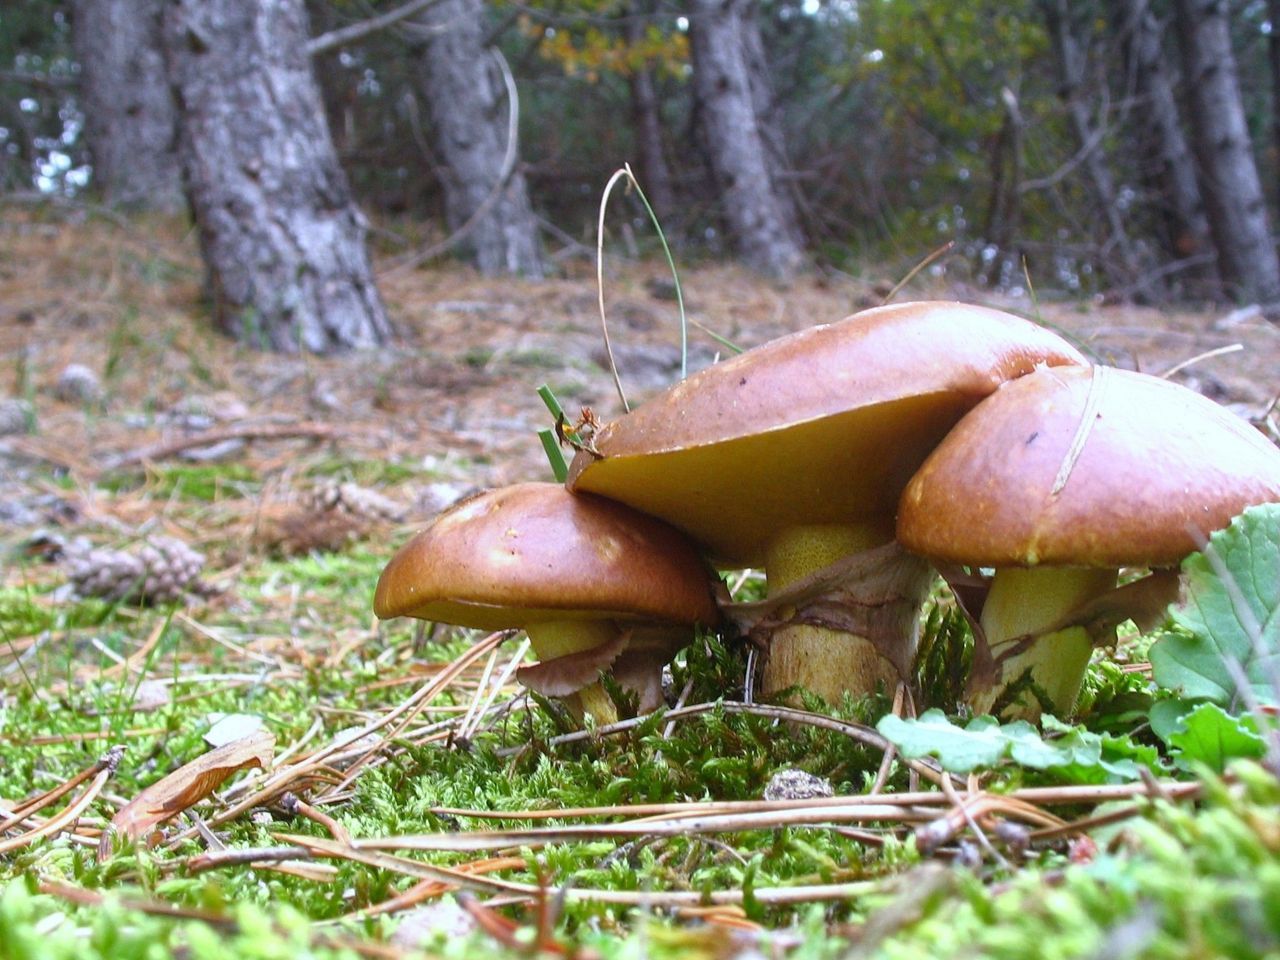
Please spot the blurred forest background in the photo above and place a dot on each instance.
(1124, 148)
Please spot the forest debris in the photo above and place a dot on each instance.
(796, 785)
(293, 531)
(354, 499)
(16, 416)
(77, 384)
(101, 773)
(185, 787)
(159, 570)
(264, 431)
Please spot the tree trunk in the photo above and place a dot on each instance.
(283, 243)
(130, 121)
(1165, 155)
(1273, 62)
(758, 214)
(1228, 175)
(1120, 260)
(1003, 223)
(646, 120)
(484, 189)
(769, 119)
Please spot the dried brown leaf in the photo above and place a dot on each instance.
(187, 786)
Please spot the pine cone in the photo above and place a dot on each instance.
(78, 384)
(356, 500)
(159, 570)
(16, 416)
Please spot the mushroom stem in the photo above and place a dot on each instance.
(826, 661)
(559, 638)
(1022, 604)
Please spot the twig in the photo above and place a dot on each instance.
(165, 449)
(216, 859)
(358, 31)
(293, 804)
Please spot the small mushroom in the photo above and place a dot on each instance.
(595, 585)
(1059, 479)
(792, 456)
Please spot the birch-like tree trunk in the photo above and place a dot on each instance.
(130, 121)
(1229, 181)
(759, 215)
(283, 242)
(485, 192)
(1165, 154)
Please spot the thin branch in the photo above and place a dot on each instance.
(163, 450)
(358, 31)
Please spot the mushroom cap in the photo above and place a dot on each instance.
(534, 552)
(820, 427)
(1159, 466)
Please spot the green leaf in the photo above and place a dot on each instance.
(1231, 615)
(1209, 735)
(984, 742)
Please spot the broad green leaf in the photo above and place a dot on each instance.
(984, 742)
(1231, 614)
(1208, 734)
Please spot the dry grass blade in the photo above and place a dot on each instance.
(71, 813)
(897, 287)
(1100, 377)
(1207, 355)
(430, 889)
(451, 876)
(25, 809)
(813, 814)
(186, 786)
(696, 807)
(604, 324)
(808, 893)
(971, 810)
(285, 777)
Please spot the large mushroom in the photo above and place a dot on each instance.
(595, 585)
(1059, 479)
(791, 456)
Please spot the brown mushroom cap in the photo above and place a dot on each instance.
(1159, 466)
(534, 552)
(822, 426)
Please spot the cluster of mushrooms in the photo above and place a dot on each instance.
(854, 462)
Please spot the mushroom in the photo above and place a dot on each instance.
(792, 456)
(593, 583)
(1059, 479)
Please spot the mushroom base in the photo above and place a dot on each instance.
(824, 659)
(1021, 606)
(559, 638)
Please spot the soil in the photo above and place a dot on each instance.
(453, 399)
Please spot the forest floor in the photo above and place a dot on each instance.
(296, 477)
